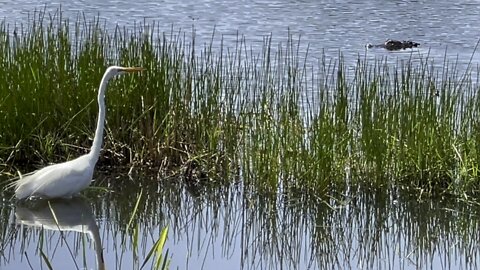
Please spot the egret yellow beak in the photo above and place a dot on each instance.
(132, 69)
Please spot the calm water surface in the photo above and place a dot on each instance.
(232, 229)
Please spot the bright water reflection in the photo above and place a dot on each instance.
(230, 228)
(45, 227)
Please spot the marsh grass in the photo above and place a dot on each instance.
(221, 113)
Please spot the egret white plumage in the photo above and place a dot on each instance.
(69, 178)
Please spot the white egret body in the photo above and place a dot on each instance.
(68, 178)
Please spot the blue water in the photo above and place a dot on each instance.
(230, 229)
(242, 231)
(324, 27)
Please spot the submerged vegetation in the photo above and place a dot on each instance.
(223, 114)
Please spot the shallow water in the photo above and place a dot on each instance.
(229, 228)
(232, 228)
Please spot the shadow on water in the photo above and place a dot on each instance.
(231, 228)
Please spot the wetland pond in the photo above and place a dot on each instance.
(234, 229)
(235, 226)
(446, 31)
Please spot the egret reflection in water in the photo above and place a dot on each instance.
(73, 215)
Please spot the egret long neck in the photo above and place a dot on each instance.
(98, 139)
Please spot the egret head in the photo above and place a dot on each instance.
(117, 70)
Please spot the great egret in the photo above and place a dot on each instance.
(68, 178)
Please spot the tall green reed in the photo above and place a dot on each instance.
(229, 112)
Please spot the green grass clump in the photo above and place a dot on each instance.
(225, 113)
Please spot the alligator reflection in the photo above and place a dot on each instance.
(62, 215)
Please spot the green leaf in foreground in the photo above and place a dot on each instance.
(161, 262)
